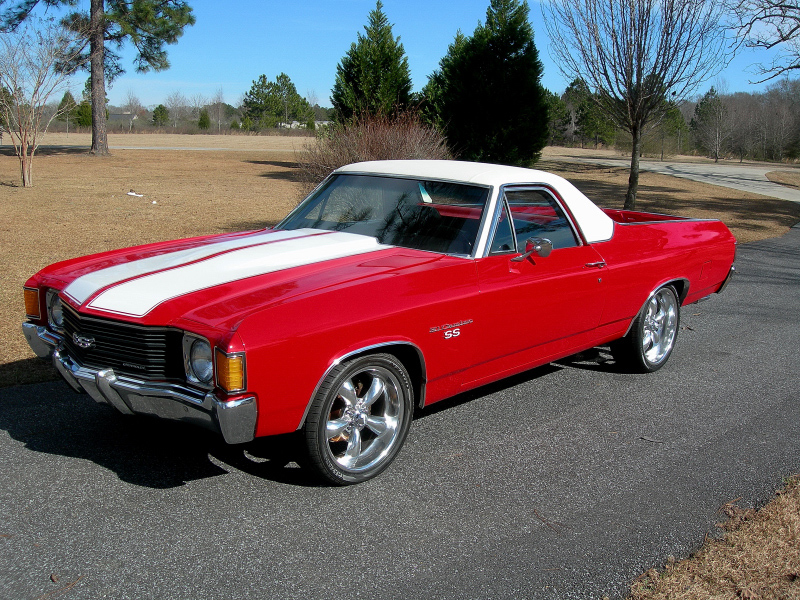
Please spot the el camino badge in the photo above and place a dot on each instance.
(82, 341)
(451, 330)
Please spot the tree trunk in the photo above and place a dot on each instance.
(98, 78)
(25, 167)
(633, 180)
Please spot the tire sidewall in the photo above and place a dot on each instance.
(645, 363)
(316, 433)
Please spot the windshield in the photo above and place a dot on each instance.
(425, 215)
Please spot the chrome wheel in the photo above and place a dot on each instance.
(659, 326)
(364, 418)
(651, 339)
(359, 418)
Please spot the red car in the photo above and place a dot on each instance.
(394, 284)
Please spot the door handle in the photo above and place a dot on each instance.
(596, 265)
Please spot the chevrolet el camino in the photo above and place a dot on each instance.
(394, 285)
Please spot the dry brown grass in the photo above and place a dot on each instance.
(757, 559)
(790, 178)
(79, 205)
(750, 217)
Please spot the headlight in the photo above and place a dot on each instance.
(55, 310)
(197, 359)
(201, 361)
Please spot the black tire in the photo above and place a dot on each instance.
(652, 337)
(359, 418)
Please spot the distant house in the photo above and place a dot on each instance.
(125, 120)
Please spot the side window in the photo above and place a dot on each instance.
(536, 213)
(503, 236)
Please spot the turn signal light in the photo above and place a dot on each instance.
(32, 303)
(230, 371)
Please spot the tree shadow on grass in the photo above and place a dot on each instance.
(8, 150)
(290, 173)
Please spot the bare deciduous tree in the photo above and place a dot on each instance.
(218, 108)
(773, 25)
(133, 106)
(29, 78)
(636, 54)
(197, 102)
(178, 107)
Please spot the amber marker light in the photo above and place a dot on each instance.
(32, 303)
(230, 371)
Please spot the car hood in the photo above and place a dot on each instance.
(220, 280)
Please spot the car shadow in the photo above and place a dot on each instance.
(485, 390)
(594, 359)
(52, 419)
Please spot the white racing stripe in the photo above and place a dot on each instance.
(139, 296)
(86, 286)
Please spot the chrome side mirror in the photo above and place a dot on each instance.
(541, 247)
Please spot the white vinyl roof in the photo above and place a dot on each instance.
(593, 222)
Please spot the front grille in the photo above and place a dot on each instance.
(145, 352)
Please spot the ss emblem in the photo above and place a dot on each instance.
(451, 333)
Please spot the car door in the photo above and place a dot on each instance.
(534, 307)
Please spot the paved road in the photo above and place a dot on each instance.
(566, 482)
(747, 178)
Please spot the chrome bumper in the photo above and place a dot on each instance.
(234, 419)
(727, 279)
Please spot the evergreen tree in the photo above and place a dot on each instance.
(588, 120)
(147, 24)
(373, 78)
(486, 94)
(559, 118)
(66, 109)
(273, 103)
(204, 121)
(711, 124)
(260, 104)
(160, 116)
(83, 114)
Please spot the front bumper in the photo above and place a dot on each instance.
(234, 419)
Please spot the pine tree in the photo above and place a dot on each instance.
(486, 94)
(66, 109)
(160, 116)
(260, 104)
(373, 78)
(204, 122)
(147, 24)
(273, 103)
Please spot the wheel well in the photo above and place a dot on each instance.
(413, 361)
(681, 288)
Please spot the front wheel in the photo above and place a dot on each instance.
(651, 339)
(359, 418)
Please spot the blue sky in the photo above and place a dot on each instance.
(234, 42)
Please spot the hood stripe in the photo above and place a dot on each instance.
(137, 297)
(86, 286)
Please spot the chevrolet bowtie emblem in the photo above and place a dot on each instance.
(83, 341)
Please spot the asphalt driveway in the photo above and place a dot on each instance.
(565, 482)
(744, 177)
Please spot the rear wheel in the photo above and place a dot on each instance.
(651, 339)
(359, 418)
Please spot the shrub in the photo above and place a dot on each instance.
(370, 138)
